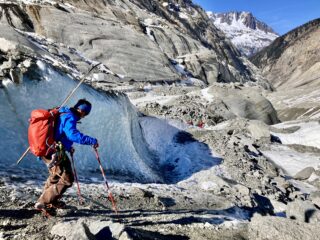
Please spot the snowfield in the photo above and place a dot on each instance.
(247, 40)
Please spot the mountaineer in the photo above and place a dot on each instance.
(60, 171)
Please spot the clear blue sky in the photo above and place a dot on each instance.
(281, 15)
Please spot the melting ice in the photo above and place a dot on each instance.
(140, 148)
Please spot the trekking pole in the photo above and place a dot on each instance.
(106, 183)
(23, 155)
(76, 177)
(63, 103)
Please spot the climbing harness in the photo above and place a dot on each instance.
(58, 156)
(114, 206)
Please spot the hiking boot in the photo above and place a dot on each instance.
(58, 204)
(43, 208)
(39, 206)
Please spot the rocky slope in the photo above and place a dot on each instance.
(292, 60)
(291, 64)
(248, 34)
(123, 32)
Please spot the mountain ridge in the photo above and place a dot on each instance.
(281, 50)
(246, 32)
(292, 64)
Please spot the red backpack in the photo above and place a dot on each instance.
(41, 131)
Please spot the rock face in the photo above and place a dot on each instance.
(247, 33)
(292, 60)
(141, 40)
(246, 103)
(11, 40)
(292, 63)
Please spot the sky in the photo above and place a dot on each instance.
(281, 15)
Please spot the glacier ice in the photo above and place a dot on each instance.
(132, 146)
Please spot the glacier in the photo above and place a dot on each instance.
(133, 147)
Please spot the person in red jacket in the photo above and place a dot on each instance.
(60, 170)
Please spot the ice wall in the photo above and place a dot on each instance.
(113, 121)
(144, 149)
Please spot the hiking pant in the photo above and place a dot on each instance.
(59, 180)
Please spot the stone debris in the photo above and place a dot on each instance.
(73, 230)
(276, 228)
(303, 211)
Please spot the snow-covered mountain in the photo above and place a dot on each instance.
(246, 32)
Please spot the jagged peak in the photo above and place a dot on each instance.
(247, 19)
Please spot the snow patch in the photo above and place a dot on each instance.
(307, 134)
(183, 15)
(291, 161)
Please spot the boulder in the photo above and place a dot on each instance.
(247, 103)
(258, 130)
(27, 63)
(243, 190)
(304, 174)
(206, 180)
(100, 227)
(277, 228)
(8, 64)
(73, 230)
(117, 229)
(125, 236)
(315, 198)
(303, 211)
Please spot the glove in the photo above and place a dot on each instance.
(96, 145)
(72, 150)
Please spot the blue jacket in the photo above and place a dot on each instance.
(66, 130)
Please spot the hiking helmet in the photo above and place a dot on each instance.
(83, 105)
